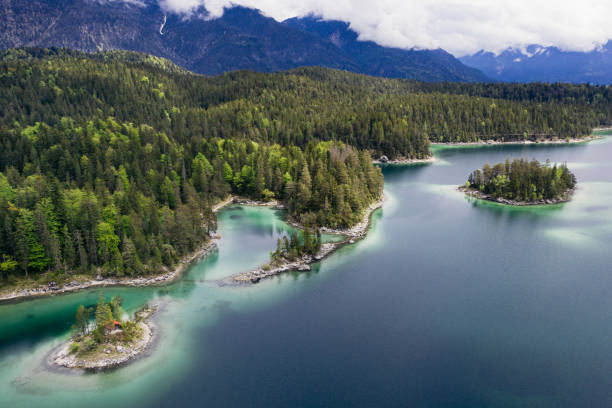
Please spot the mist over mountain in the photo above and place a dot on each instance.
(373, 59)
(545, 64)
(242, 38)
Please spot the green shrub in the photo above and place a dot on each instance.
(130, 330)
(98, 334)
(74, 347)
(89, 344)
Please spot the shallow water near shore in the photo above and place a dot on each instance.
(448, 301)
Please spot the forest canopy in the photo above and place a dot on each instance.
(111, 162)
(126, 201)
(397, 118)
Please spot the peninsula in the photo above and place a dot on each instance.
(297, 252)
(122, 189)
(521, 182)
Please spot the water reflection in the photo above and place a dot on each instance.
(531, 212)
(447, 302)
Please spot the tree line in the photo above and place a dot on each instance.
(397, 118)
(110, 162)
(110, 198)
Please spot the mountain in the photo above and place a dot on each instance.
(242, 38)
(374, 59)
(545, 64)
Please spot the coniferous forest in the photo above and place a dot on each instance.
(111, 162)
(523, 181)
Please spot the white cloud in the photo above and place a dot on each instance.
(458, 26)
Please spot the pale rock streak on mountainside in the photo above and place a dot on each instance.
(241, 39)
(161, 28)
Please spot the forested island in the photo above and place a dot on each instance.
(522, 182)
(110, 341)
(111, 163)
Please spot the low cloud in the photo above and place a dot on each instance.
(459, 26)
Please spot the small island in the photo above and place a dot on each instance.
(295, 252)
(110, 341)
(522, 182)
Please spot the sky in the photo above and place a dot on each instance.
(459, 26)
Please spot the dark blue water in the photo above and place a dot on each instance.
(449, 302)
(462, 305)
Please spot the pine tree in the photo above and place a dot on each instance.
(82, 320)
(104, 315)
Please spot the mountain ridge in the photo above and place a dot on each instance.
(242, 38)
(400, 63)
(545, 64)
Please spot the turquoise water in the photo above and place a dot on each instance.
(449, 301)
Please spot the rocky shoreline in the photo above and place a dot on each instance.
(246, 201)
(166, 277)
(51, 289)
(113, 355)
(520, 142)
(480, 195)
(221, 204)
(358, 231)
(385, 160)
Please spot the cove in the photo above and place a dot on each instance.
(448, 301)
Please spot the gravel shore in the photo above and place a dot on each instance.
(358, 231)
(112, 355)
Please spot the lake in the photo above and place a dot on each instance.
(448, 301)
